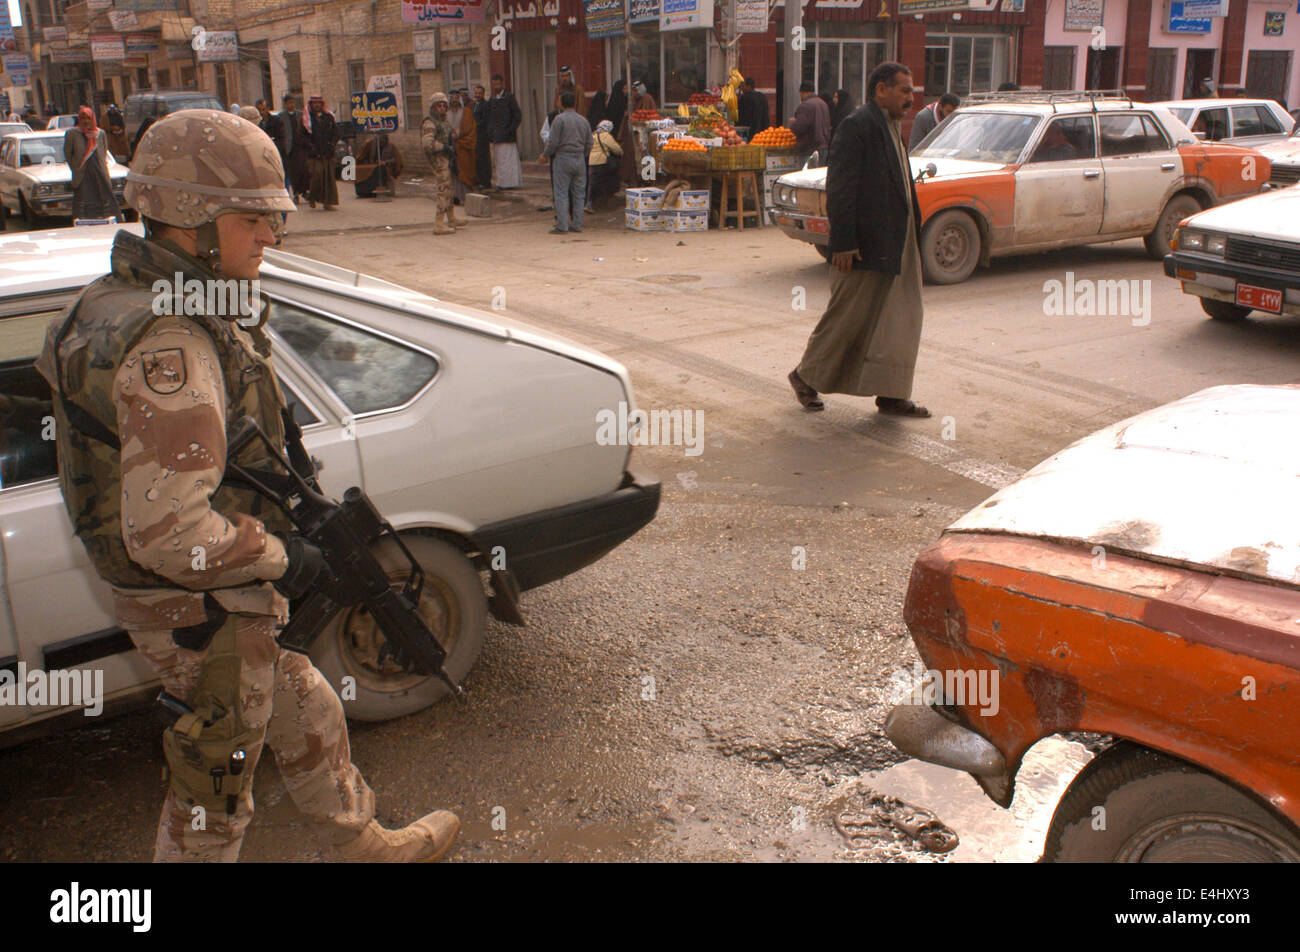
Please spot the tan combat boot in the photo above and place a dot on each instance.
(440, 228)
(424, 841)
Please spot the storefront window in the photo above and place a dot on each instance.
(685, 55)
(842, 64)
(966, 63)
(645, 57)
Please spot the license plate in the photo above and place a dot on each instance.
(787, 221)
(1259, 299)
(818, 226)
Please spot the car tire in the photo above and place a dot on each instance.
(1134, 804)
(824, 251)
(1224, 310)
(950, 247)
(454, 606)
(1158, 243)
(30, 218)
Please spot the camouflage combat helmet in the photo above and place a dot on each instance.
(193, 165)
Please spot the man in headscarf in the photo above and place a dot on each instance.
(85, 149)
(466, 144)
(322, 135)
(439, 148)
(641, 99)
(602, 163)
(568, 84)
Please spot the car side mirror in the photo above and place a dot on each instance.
(814, 160)
(930, 171)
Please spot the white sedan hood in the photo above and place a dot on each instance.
(1284, 152)
(1208, 481)
(1271, 215)
(816, 178)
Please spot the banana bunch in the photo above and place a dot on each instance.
(728, 95)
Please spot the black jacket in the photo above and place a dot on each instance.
(324, 133)
(503, 118)
(752, 112)
(866, 193)
(273, 126)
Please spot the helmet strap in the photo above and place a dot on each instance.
(208, 245)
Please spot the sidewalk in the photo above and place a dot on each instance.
(412, 207)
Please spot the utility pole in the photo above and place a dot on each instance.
(733, 48)
(791, 58)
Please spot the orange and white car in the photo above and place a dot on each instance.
(1025, 172)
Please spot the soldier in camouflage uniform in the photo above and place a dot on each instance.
(202, 570)
(440, 148)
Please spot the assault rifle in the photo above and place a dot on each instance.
(352, 578)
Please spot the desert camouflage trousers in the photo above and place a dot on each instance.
(442, 189)
(301, 715)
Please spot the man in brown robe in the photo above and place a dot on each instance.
(866, 341)
(461, 116)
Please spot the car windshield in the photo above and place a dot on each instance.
(1182, 112)
(980, 137)
(40, 152)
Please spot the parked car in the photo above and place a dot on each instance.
(1251, 122)
(1023, 172)
(1242, 257)
(1143, 583)
(476, 437)
(64, 121)
(1284, 157)
(160, 102)
(9, 128)
(35, 181)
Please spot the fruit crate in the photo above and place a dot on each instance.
(684, 162)
(738, 158)
(782, 150)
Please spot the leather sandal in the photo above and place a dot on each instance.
(896, 406)
(807, 395)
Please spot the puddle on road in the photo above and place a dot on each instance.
(990, 834)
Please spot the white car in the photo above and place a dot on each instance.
(62, 122)
(1242, 257)
(35, 181)
(1252, 122)
(477, 438)
(1284, 156)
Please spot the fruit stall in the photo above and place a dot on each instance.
(702, 169)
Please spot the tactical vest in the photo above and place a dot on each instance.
(99, 329)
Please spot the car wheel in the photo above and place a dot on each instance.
(452, 604)
(1132, 804)
(824, 251)
(1224, 311)
(950, 247)
(32, 219)
(1176, 209)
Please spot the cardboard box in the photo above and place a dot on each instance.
(689, 220)
(692, 200)
(644, 199)
(645, 221)
(784, 162)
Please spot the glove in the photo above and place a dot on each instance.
(306, 562)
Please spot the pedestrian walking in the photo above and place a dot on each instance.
(567, 147)
(439, 148)
(867, 339)
(322, 136)
(811, 123)
(85, 149)
(296, 147)
(602, 164)
(930, 117)
(504, 117)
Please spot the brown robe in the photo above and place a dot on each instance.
(866, 341)
(467, 148)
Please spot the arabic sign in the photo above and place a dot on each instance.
(1083, 15)
(77, 54)
(1200, 9)
(15, 63)
(180, 51)
(685, 14)
(7, 41)
(141, 43)
(99, 6)
(219, 46)
(374, 111)
(1178, 22)
(443, 11)
(141, 5)
(604, 17)
(53, 34)
(426, 49)
(548, 8)
(929, 6)
(107, 46)
(123, 19)
(643, 11)
(388, 83)
(751, 16)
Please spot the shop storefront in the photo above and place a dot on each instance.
(1182, 52)
(1271, 70)
(841, 55)
(1084, 44)
(968, 59)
